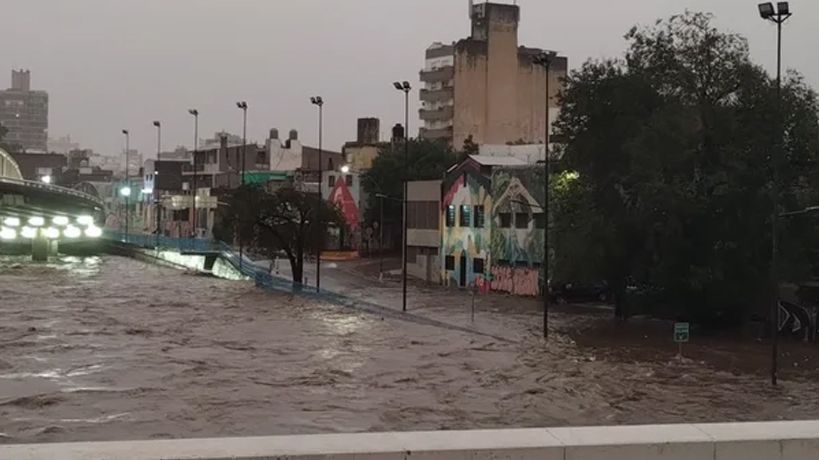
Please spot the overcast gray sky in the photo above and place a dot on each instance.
(114, 64)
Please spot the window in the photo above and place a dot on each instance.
(521, 220)
(505, 220)
(466, 216)
(477, 266)
(331, 180)
(449, 263)
(450, 216)
(540, 221)
(479, 216)
(349, 180)
(329, 164)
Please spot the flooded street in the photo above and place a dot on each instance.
(112, 348)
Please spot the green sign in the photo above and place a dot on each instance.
(682, 332)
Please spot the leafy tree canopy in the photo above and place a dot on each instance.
(427, 160)
(673, 145)
(281, 221)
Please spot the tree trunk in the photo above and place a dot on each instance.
(297, 269)
(618, 287)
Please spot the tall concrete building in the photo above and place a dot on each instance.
(487, 87)
(24, 113)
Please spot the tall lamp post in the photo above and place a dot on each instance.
(156, 173)
(405, 88)
(545, 60)
(243, 107)
(777, 16)
(126, 190)
(194, 187)
(319, 102)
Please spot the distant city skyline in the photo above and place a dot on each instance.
(135, 61)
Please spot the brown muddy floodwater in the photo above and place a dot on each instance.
(111, 348)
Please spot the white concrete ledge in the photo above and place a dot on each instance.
(729, 441)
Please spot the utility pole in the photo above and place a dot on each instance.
(778, 16)
(406, 88)
(319, 102)
(545, 60)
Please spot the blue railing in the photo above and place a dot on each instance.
(165, 242)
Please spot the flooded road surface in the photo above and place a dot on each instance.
(112, 348)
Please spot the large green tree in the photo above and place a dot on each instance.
(427, 160)
(673, 145)
(281, 221)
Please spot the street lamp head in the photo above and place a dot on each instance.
(345, 169)
(406, 86)
(783, 8)
(545, 58)
(242, 105)
(125, 131)
(317, 100)
(193, 112)
(398, 86)
(766, 10)
(157, 124)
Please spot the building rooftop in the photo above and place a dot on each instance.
(497, 161)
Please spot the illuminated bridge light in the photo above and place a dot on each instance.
(51, 233)
(28, 232)
(72, 232)
(93, 231)
(7, 233)
(36, 221)
(60, 221)
(85, 220)
(11, 222)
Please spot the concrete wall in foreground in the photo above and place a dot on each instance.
(733, 441)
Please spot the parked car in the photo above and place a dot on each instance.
(578, 292)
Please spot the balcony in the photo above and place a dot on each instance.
(442, 114)
(209, 168)
(438, 95)
(437, 75)
(436, 134)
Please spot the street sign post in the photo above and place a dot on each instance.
(682, 333)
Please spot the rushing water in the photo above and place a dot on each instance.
(112, 348)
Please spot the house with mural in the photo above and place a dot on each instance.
(493, 225)
(342, 187)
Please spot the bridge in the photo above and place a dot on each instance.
(43, 215)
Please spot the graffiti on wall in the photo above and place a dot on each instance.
(517, 230)
(517, 233)
(516, 280)
(465, 244)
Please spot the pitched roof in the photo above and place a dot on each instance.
(485, 160)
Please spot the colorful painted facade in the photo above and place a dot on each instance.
(466, 230)
(518, 223)
(493, 228)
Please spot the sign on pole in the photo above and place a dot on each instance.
(682, 332)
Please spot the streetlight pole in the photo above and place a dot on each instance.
(319, 102)
(406, 88)
(381, 237)
(243, 106)
(156, 190)
(778, 16)
(545, 60)
(127, 190)
(194, 188)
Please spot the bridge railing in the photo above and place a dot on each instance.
(148, 241)
(54, 188)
